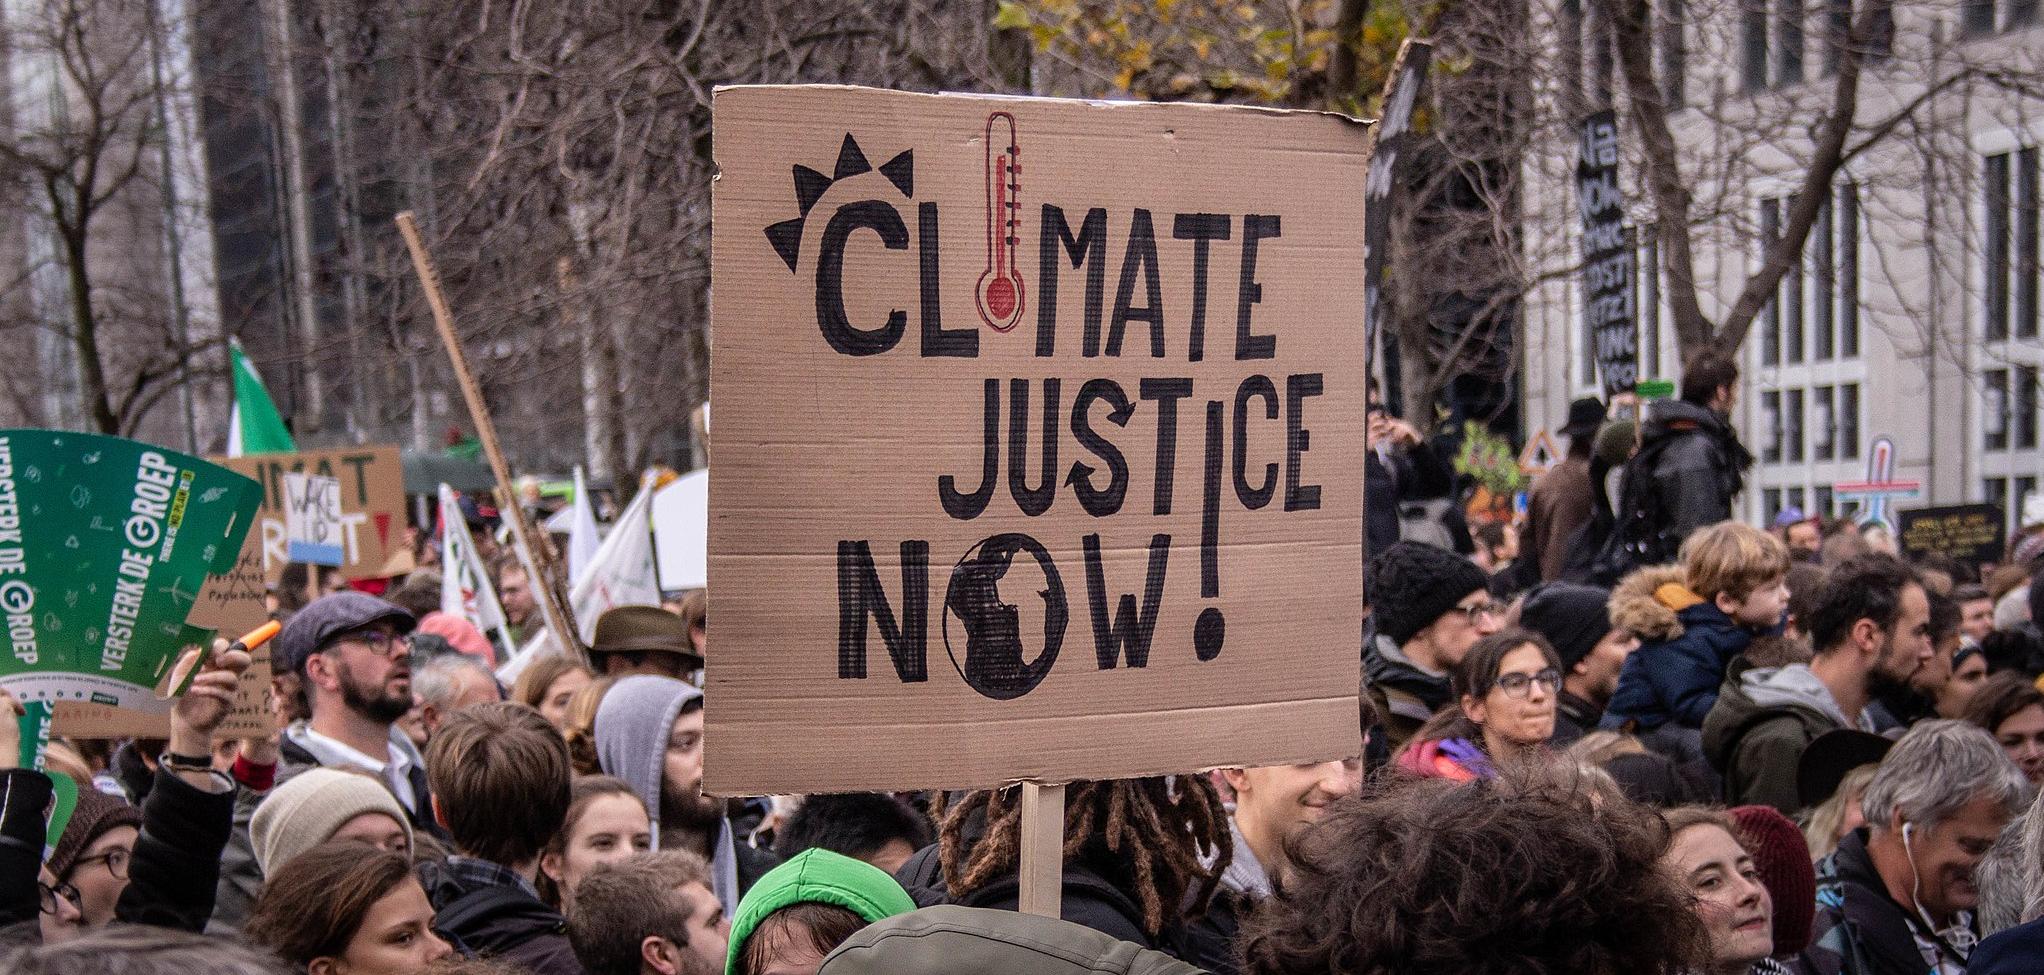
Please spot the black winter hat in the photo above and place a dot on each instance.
(1412, 585)
(1571, 617)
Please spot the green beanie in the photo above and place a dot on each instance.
(816, 876)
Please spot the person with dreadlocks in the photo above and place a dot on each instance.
(1143, 859)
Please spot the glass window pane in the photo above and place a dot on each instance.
(1770, 502)
(1753, 60)
(1770, 319)
(1794, 425)
(1848, 270)
(2026, 244)
(1788, 49)
(1996, 251)
(2024, 396)
(1848, 421)
(1994, 409)
(1823, 424)
(1822, 303)
(1826, 504)
(1770, 419)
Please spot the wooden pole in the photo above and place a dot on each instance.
(1042, 867)
(521, 532)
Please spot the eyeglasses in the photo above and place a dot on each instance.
(49, 895)
(1518, 685)
(379, 642)
(1485, 608)
(116, 862)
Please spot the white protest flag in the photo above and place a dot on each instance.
(620, 573)
(465, 588)
(583, 538)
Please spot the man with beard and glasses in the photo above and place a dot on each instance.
(352, 654)
(1871, 632)
(649, 732)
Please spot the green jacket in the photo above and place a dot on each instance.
(952, 940)
(816, 876)
(1756, 732)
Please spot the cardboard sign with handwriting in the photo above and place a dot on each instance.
(371, 528)
(1039, 441)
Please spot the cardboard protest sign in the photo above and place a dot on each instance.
(104, 545)
(1973, 533)
(372, 518)
(312, 519)
(1042, 446)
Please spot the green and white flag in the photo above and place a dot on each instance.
(104, 544)
(254, 427)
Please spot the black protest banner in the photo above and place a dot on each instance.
(1608, 273)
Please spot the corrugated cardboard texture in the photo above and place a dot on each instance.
(372, 505)
(835, 435)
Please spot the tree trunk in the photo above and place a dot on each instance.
(85, 331)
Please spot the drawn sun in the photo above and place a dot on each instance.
(810, 185)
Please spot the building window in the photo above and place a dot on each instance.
(1674, 53)
(1753, 49)
(1994, 409)
(2023, 13)
(1788, 41)
(1837, 32)
(1996, 251)
(1770, 499)
(1770, 414)
(1823, 424)
(1770, 318)
(1791, 295)
(1848, 421)
(2024, 487)
(2024, 395)
(1792, 427)
(1570, 27)
(1995, 491)
(1977, 16)
(1603, 45)
(1794, 498)
(2025, 323)
(1848, 270)
(1827, 505)
(1823, 270)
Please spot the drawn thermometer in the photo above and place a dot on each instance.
(1000, 289)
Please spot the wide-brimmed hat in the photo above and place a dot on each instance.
(640, 629)
(1584, 417)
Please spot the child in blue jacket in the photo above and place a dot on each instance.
(1692, 619)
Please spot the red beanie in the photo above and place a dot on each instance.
(1783, 859)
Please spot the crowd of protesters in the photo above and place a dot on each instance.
(1649, 739)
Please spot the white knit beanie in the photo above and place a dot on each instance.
(305, 811)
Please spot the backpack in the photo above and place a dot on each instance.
(1636, 535)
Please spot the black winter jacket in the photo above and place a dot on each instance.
(503, 923)
(174, 867)
(1689, 467)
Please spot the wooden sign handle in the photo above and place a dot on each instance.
(513, 513)
(1042, 867)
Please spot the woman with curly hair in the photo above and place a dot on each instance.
(1507, 689)
(1527, 872)
(1143, 858)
